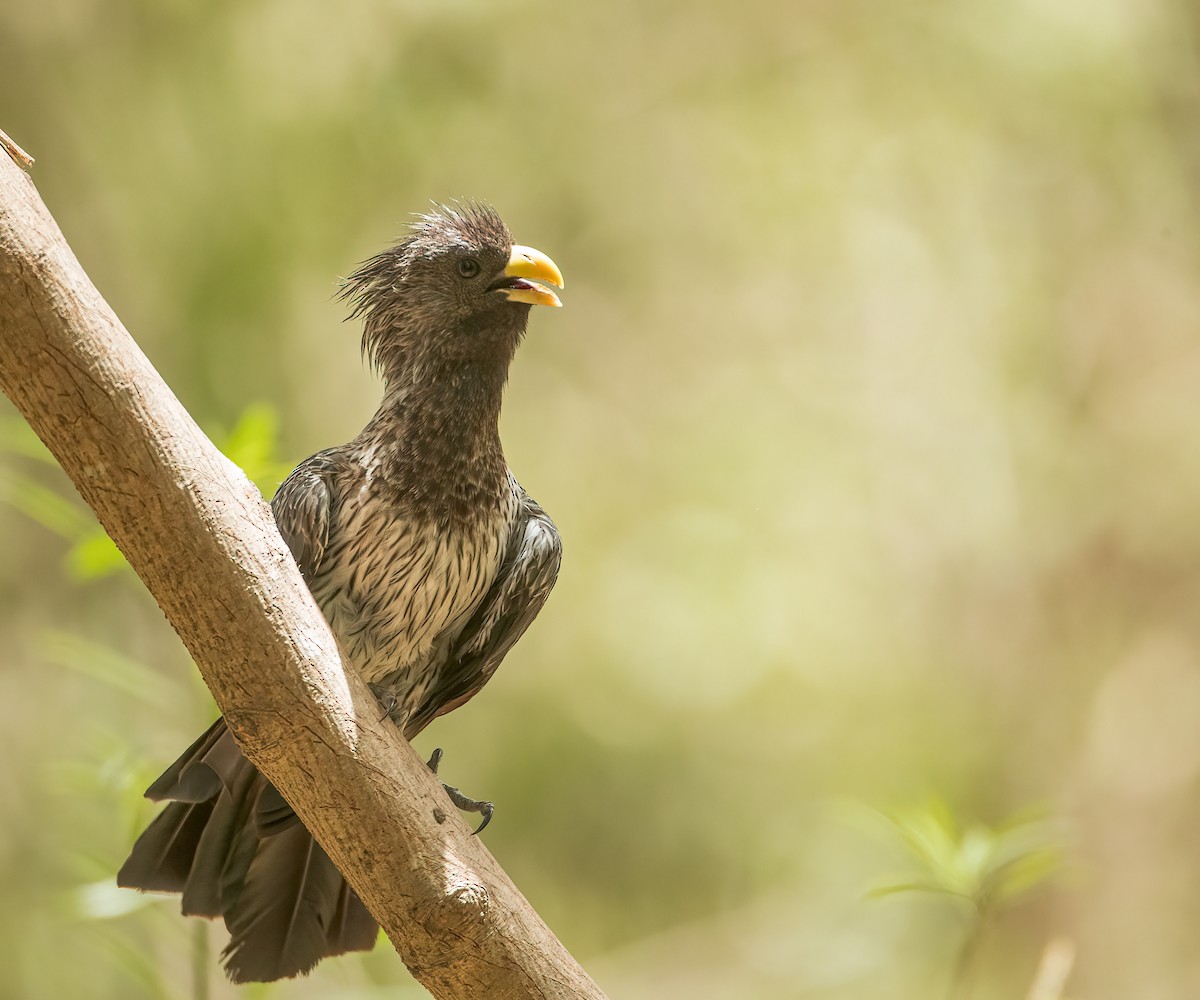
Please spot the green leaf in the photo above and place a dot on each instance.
(18, 438)
(104, 664)
(894, 888)
(94, 556)
(102, 900)
(49, 509)
(1026, 874)
(252, 445)
(929, 832)
(989, 866)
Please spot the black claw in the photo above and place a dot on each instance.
(485, 809)
(388, 701)
(434, 760)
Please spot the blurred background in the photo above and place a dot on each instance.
(869, 425)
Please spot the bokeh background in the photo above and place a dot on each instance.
(869, 424)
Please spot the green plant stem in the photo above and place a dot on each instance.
(201, 960)
(968, 953)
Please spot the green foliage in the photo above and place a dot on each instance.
(869, 423)
(104, 664)
(980, 870)
(253, 444)
(92, 555)
(987, 867)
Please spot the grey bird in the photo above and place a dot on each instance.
(427, 558)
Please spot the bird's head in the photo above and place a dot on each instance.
(456, 289)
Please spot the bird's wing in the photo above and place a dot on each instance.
(302, 511)
(526, 575)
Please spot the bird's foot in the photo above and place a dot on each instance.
(485, 809)
(466, 804)
(386, 698)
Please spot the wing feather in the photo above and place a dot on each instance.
(527, 574)
(303, 511)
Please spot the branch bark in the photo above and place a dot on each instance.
(203, 541)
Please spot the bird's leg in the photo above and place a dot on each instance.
(485, 809)
(387, 699)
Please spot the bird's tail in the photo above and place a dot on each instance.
(232, 846)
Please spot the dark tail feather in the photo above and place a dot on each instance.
(287, 910)
(231, 845)
(353, 928)
(227, 846)
(161, 860)
(196, 775)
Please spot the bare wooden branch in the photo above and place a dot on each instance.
(203, 541)
(22, 158)
(1054, 970)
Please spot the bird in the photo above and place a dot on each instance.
(427, 558)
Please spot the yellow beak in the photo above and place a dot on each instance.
(526, 262)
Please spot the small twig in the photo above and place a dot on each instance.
(1053, 971)
(22, 158)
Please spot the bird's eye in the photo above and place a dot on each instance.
(468, 267)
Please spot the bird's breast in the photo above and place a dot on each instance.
(396, 591)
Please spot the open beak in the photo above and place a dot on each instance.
(525, 268)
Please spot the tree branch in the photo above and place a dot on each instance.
(22, 158)
(204, 543)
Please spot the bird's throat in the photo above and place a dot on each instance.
(436, 440)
